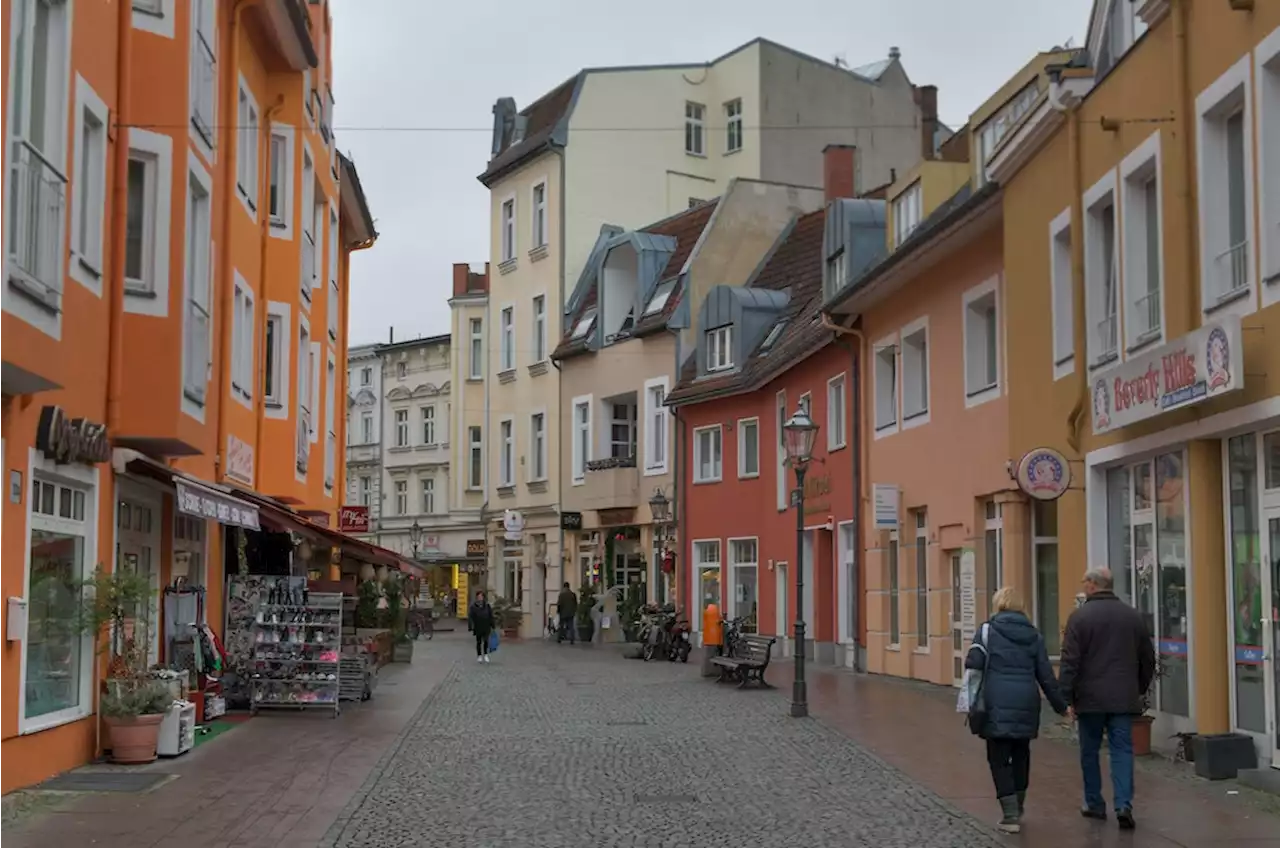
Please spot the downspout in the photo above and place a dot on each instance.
(1075, 420)
(1182, 74)
(564, 557)
(682, 514)
(230, 91)
(260, 379)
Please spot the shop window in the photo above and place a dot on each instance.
(895, 626)
(743, 562)
(1044, 534)
(922, 580)
(1247, 601)
(993, 554)
(707, 557)
(513, 571)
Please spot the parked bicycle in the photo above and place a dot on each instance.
(732, 634)
(420, 622)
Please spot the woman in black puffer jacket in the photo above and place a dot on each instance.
(1017, 671)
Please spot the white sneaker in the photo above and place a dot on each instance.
(486, 657)
(479, 659)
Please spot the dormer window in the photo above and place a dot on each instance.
(584, 324)
(906, 214)
(660, 297)
(628, 322)
(775, 333)
(835, 274)
(719, 348)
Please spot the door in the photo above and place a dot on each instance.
(1271, 590)
(809, 544)
(957, 626)
(782, 624)
(138, 550)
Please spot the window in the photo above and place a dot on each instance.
(1140, 172)
(694, 114)
(719, 351)
(733, 126)
(771, 338)
(706, 555)
(204, 77)
(539, 215)
(402, 369)
(196, 328)
(622, 430)
(707, 454)
(366, 428)
(539, 328)
(475, 459)
(402, 428)
(330, 419)
(276, 360)
(428, 425)
(1044, 533)
(584, 324)
(922, 580)
(744, 555)
(508, 339)
(656, 422)
(1267, 74)
(538, 446)
(304, 373)
(428, 496)
(581, 437)
(835, 276)
(749, 447)
(1225, 142)
(981, 345)
(994, 128)
(335, 299)
(247, 148)
(309, 277)
(507, 467)
(365, 491)
(89, 184)
(140, 223)
(906, 214)
(836, 436)
(886, 383)
(508, 229)
(915, 371)
(895, 625)
(280, 178)
(780, 449)
(1101, 274)
(477, 349)
(58, 659)
(661, 294)
(1060, 278)
(242, 333)
(993, 554)
(402, 497)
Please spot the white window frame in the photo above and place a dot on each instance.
(733, 125)
(743, 425)
(281, 222)
(204, 34)
(582, 447)
(507, 338)
(907, 212)
(846, 580)
(88, 188)
(837, 412)
(243, 327)
(400, 421)
(1267, 74)
(367, 431)
(307, 243)
(154, 16)
(539, 328)
(86, 479)
(334, 308)
(736, 565)
(149, 295)
(720, 349)
(427, 491)
(538, 446)
(476, 351)
(781, 414)
(315, 389)
(400, 489)
(1141, 166)
(538, 221)
(885, 422)
(276, 403)
(248, 130)
(914, 366)
(976, 396)
(330, 419)
(198, 260)
(920, 517)
(1098, 309)
(695, 128)
(506, 452)
(475, 457)
(1219, 99)
(717, 458)
(305, 403)
(428, 416)
(657, 428)
(1062, 286)
(996, 523)
(507, 229)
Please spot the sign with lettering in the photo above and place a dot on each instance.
(477, 547)
(512, 525)
(1044, 474)
(570, 521)
(207, 503)
(353, 519)
(1203, 364)
(239, 460)
(66, 440)
(884, 499)
(968, 595)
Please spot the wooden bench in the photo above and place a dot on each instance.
(749, 661)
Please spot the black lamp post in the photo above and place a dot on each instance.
(660, 509)
(415, 538)
(799, 434)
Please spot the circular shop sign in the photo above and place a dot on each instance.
(1044, 474)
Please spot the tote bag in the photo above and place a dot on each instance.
(972, 698)
(493, 641)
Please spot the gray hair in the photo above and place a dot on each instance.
(1100, 577)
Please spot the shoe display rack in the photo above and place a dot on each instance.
(296, 642)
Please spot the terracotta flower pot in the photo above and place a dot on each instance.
(1142, 735)
(133, 740)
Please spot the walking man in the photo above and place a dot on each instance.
(480, 620)
(1108, 663)
(567, 606)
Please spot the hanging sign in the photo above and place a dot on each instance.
(353, 519)
(1202, 364)
(66, 440)
(477, 547)
(885, 502)
(512, 525)
(239, 460)
(570, 521)
(206, 503)
(1043, 474)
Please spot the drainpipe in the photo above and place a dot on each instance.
(560, 449)
(564, 163)
(259, 380)
(119, 213)
(682, 512)
(1182, 81)
(1076, 418)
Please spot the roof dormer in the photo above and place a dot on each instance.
(731, 324)
(853, 240)
(629, 269)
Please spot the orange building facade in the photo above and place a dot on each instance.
(178, 226)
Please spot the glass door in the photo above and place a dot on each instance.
(957, 628)
(1272, 657)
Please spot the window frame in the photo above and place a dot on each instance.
(248, 130)
(198, 262)
(751, 623)
(978, 396)
(150, 296)
(922, 579)
(1062, 294)
(427, 492)
(330, 419)
(88, 190)
(539, 236)
(781, 414)
(538, 446)
(334, 308)
(280, 221)
(884, 350)
(717, 471)
(582, 450)
(893, 565)
(507, 339)
(733, 125)
(476, 351)
(307, 242)
(400, 423)
(910, 202)
(719, 350)
(912, 416)
(657, 428)
(539, 328)
(837, 412)
(743, 425)
(204, 35)
(400, 491)
(507, 230)
(428, 420)
(243, 332)
(281, 357)
(1141, 167)
(475, 458)
(695, 129)
(506, 452)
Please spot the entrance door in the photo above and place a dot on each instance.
(1271, 590)
(957, 625)
(138, 550)
(783, 623)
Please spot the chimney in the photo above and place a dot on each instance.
(927, 102)
(895, 53)
(838, 167)
(391, 335)
(461, 275)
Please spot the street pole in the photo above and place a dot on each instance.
(799, 690)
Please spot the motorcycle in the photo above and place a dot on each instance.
(652, 632)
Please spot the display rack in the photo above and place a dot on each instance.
(296, 644)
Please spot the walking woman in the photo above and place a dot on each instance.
(1017, 670)
(480, 620)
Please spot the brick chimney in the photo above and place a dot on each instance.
(466, 281)
(926, 97)
(839, 164)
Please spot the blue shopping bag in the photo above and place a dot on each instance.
(493, 642)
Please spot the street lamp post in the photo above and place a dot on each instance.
(660, 509)
(799, 434)
(415, 538)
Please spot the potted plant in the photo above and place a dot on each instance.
(1142, 722)
(586, 601)
(401, 644)
(507, 617)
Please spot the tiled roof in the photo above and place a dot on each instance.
(685, 227)
(543, 116)
(796, 265)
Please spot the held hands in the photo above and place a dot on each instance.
(1071, 714)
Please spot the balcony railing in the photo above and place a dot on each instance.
(1231, 270)
(1148, 314)
(37, 209)
(1108, 340)
(308, 263)
(203, 75)
(304, 439)
(611, 483)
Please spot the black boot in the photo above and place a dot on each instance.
(1009, 820)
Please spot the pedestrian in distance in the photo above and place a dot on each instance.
(1108, 663)
(480, 622)
(567, 606)
(1011, 655)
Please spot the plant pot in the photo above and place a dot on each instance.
(586, 631)
(133, 739)
(511, 632)
(1142, 735)
(402, 652)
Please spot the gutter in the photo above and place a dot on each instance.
(559, 151)
(119, 213)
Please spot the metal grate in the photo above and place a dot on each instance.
(103, 781)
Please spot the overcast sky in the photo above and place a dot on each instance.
(415, 82)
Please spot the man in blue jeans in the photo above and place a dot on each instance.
(1107, 666)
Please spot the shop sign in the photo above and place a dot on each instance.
(239, 460)
(1044, 474)
(353, 519)
(206, 503)
(968, 595)
(616, 517)
(1202, 364)
(512, 525)
(884, 499)
(320, 519)
(570, 521)
(477, 547)
(66, 440)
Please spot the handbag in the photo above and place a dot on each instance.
(493, 641)
(972, 699)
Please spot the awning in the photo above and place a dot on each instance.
(194, 496)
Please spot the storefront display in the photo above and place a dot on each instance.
(296, 639)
